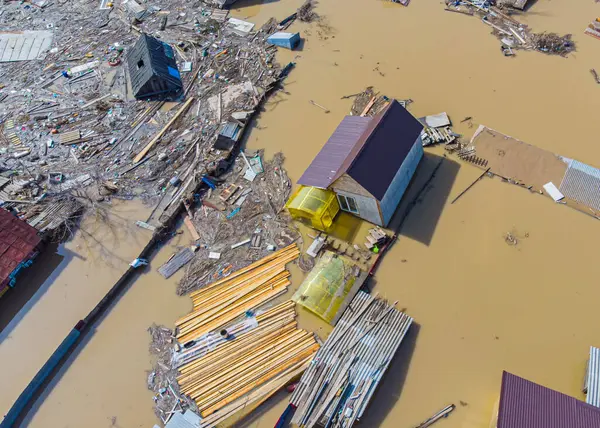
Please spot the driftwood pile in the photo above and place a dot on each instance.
(512, 33)
(336, 389)
(241, 373)
(244, 290)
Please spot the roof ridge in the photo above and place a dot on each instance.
(368, 133)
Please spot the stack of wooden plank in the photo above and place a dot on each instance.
(335, 390)
(241, 373)
(229, 298)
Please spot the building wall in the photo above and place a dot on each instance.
(348, 184)
(402, 179)
(368, 208)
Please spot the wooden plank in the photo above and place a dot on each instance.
(69, 136)
(176, 263)
(250, 267)
(242, 298)
(190, 225)
(158, 136)
(368, 106)
(235, 311)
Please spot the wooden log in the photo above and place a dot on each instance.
(280, 326)
(248, 284)
(229, 369)
(229, 296)
(212, 289)
(218, 390)
(274, 370)
(279, 322)
(251, 347)
(158, 136)
(258, 396)
(248, 268)
(368, 106)
(238, 310)
(204, 317)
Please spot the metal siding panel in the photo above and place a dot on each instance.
(582, 184)
(593, 378)
(326, 166)
(403, 177)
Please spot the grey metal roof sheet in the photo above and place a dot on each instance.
(525, 404)
(593, 378)
(326, 167)
(582, 184)
(24, 45)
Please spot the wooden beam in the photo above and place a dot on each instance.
(158, 136)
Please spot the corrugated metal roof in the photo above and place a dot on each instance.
(370, 150)
(184, 420)
(525, 404)
(385, 144)
(326, 167)
(582, 184)
(593, 378)
(17, 241)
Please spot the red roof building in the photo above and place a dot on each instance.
(18, 245)
(524, 404)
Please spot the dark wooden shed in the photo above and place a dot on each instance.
(153, 70)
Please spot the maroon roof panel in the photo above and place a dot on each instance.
(17, 241)
(333, 159)
(524, 404)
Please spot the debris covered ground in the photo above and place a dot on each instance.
(242, 211)
(71, 130)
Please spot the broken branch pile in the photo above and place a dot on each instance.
(223, 301)
(336, 389)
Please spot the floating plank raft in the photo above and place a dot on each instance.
(246, 289)
(241, 373)
(335, 390)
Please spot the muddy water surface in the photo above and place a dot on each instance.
(480, 305)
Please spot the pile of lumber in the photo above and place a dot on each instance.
(223, 301)
(241, 373)
(335, 390)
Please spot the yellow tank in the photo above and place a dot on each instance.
(316, 206)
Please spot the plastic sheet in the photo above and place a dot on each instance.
(326, 286)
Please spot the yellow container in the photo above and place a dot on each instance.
(317, 206)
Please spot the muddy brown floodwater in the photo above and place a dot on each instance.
(480, 306)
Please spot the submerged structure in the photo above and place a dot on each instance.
(19, 244)
(153, 69)
(369, 162)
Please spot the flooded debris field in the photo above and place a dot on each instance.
(128, 121)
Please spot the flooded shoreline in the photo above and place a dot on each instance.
(480, 306)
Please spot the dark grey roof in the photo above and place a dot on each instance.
(370, 150)
(524, 404)
(385, 144)
(326, 167)
(158, 72)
